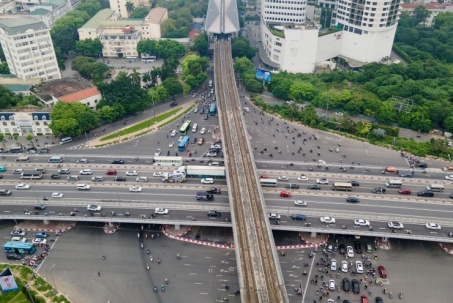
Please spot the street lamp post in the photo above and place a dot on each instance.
(29, 295)
(50, 271)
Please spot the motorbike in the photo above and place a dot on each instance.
(147, 251)
(158, 260)
(45, 199)
(400, 295)
(103, 257)
(155, 289)
(162, 287)
(178, 257)
(166, 281)
(127, 214)
(141, 245)
(151, 259)
(147, 267)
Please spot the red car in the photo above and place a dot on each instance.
(404, 191)
(363, 299)
(264, 177)
(111, 172)
(382, 272)
(285, 194)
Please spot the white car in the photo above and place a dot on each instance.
(350, 252)
(180, 138)
(161, 211)
(173, 133)
(283, 178)
(83, 187)
(339, 114)
(135, 188)
(322, 181)
(246, 109)
(302, 178)
(18, 232)
(57, 195)
(86, 172)
(359, 267)
(207, 181)
(433, 226)
(274, 216)
(94, 207)
(158, 174)
(82, 161)
(171, 144)
(449, 177)
(132, 173)
(203, 131)
(39, 241)
(157, 152)
(395, 225)
(18, 171)
(23, 186)
(328, 220)
(333, 265)
(344, 266)
(300, 203)
(331, 284)
(361, 222)
(142, 179)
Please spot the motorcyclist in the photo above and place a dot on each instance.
(147, 251)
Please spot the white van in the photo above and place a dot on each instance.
(435, 187)
(394, 184)
(56, 160)
(65, 140)
(195, 128)
(210, 83)
(23, 159)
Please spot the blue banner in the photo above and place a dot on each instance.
(263, 75)
(7, 281)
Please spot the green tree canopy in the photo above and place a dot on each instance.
(241, 48)
(72, 119)
(201, 45)
(172, 86)
(89, 47)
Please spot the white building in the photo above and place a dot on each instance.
(49, 12)
(120, 6)
(433, 8)
(25, 123)
(28, 49)
(363, 31)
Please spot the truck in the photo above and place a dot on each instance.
(174, 177)
(202, 171)
(204, 196)
(214, 190)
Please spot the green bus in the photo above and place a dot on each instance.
(185, 127)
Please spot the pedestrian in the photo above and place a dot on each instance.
(99, 274)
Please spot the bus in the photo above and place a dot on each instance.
(167, 161)
(185, 127)
(213, 109)
(184, 143)
(31, 174)
(394, 183)
(268, 182)
(342, 186)
(149, 59)
(19, 247)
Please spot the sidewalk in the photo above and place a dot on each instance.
(52, 226)
(447, 247)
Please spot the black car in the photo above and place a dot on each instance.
(407, 175)
(292, 185)
(425, 193)
(346, 301)
(354, 183)
(14, 256)
(312, 254)
(346, 284)
(355, 286)
(379, 300)
(194, 140)
(450, 235)
(378, 190)
(118, 161)
(358, 247)
(422, 164)
(214, 213)
(342, 249)
(168, 153)
(314, 186)
(352, 200)
(206, 117)
(55, 176)
(202, 111)
(120, 179)
(173, 104)
(298, 217)
(40, 207)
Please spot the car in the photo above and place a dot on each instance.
(352, 200)
(55, 176)
(203, 131)
(344, 266)
(132, 173)
(39, 241)
(342, 249)
(18, 171)
(41, 235)
(171, 144)
(57, 195)
(382, 272)
(332, 284)
(18, 232)
(14, 256)
(207, 181)
(94, 207)
(425, 193)
(298, 217)
(64, 171)
(23, 186)
(202, 111)
(449, 177)
(83, 187)
(361, 222)
(173, 104)
(117, 161)
(395, 225)
(379, 190)
(82, 161)
(359, 266)
(264, 177)
(200, 141)
(333, 265)
(407, 175)
(322, 181)
(314, 187)
(327, 220)
(283, 178)
(329, 247)
(180, 138)
(354, 183)
(346, 284)
(73, 178)
(274, 216)
(111, 172)
(5, 192)
(40, 207)
(246, 109)
(141, 179)
(119, 179)
(195, 110)
(355, 285)
(86, 172)
(214, 213)
(135, 188)
(378, 300)
(433, 226)
(157, 152)
(302, 178)
(97, 178)
(363, 299)
(211, 154)
(194, 140)
(340, 114)
(404, 191)
(173, 133)
(300, 203)
(161, 211)
(206, 117)
(285, 193)
(350, 252)
(158, 174)
(358, 247)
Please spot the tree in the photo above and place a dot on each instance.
(90, 69)
(201, 45)
(135, 76)
(29, 138)
(241, 48)
(448, 124)
(139, 13)
(243, 65)
(173, 86)
(301, 90)
(130, 7)
(362, 128)
(379, 132)
(111, 113)
(2, 139)
(72, 119)
(4, 69)
(421, 14)
(89, 47)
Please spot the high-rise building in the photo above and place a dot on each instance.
(284, 12)
(28, 49)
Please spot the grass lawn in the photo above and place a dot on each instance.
(13, 297)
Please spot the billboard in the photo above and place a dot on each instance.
(263, 75)
(7, 282)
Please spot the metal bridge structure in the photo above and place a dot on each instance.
(222, 17)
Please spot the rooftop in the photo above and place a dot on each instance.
(156, 15)
(16, 26)
(95, 21)
(83, 94)
(62, 87)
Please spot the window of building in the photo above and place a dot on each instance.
(5, 124)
